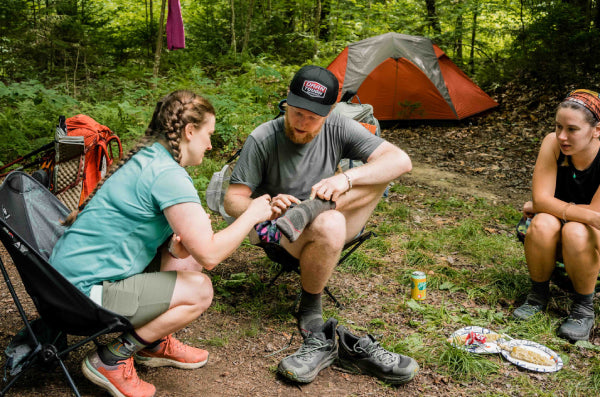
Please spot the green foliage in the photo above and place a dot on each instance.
(85, 40)
(29, 117)
(558, 47)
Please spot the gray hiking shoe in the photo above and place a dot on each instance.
(530, 308)
(365, 355)
(318, 351)
(579, 324)
(575, 329)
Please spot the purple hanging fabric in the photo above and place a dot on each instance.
(175, 32)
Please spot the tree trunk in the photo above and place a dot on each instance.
(146, 16)
(473, 33)
(368, 22)
(317, 27)
(596, 14)
(432, 18)
(248, 27)
(233, 45)
(458, 45)
(337, 21)
(34, 12)
(159, 40)
(151, 25)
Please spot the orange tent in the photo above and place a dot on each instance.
(407, 78)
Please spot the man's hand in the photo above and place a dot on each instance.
(330, 188)
(280, 204)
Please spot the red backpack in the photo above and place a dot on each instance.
(100, 147)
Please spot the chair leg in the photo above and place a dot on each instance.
(275, 277)
(337, 303)
(68, 376)
(275, 254)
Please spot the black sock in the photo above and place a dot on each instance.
(121, 348)
(310, 313)
(540, 292)
(583, 305)
(154, 344)
(295, 219)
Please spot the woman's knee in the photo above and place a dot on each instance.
(578, 237)
(544, 227)
(194, 289)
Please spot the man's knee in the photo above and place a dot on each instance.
(329, 227)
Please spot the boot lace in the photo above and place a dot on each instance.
(172, 345)
(375, 350)
(309, 348)
(129, 370)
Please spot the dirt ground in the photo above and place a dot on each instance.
(491, 156)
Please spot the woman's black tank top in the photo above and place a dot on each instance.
(574, 186)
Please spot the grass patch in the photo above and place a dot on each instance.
(464, 366)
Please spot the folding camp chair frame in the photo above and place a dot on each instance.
(24, 256)
(289, 263)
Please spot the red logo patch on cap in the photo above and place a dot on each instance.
(314, 89)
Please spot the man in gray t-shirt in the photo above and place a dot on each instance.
(293, 159)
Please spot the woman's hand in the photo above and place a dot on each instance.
(595, 220)
(281, 203)
(176, 248)
(528, 209)
(260, 208)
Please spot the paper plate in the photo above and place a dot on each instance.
(535, 347)
(477, 347)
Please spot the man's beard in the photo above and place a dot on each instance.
(302, 139)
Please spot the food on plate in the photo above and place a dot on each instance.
(474, 337)
(531, 356)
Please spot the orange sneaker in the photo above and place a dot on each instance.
(172, 353)
(121, 380)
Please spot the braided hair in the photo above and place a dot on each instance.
(171, 114)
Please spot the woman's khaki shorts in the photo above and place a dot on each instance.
(140, 298)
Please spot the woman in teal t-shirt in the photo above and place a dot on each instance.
(146, 214)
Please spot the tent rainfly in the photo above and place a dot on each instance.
(407, 78)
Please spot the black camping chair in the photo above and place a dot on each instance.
(289, 263)
(29, 228)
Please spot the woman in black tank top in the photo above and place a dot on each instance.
(566, 205)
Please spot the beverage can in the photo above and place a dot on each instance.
(419, 285)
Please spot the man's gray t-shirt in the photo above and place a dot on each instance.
(271, 163)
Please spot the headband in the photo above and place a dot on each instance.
(588, 99)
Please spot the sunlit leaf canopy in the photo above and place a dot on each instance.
(109, 57)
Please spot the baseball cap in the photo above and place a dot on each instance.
(313, 88)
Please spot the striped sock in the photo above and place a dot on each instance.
(121, 348)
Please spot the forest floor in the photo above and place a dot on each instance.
(489, 156)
